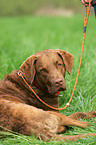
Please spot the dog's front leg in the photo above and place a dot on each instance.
(81, 115)
(66, 121)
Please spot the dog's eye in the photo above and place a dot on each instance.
(59, 64)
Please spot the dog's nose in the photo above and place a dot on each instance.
(58, 82)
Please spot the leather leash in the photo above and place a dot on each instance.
(67, 104)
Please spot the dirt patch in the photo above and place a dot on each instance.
(54, 12)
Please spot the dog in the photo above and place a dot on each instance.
(22, 112)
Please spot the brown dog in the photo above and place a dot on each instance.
(22, 112)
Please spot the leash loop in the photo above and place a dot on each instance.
(67, 104)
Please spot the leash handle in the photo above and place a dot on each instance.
(86, 15)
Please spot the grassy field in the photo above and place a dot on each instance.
(21, 37)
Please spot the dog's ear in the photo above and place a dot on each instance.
(67, 59)
(28, 68)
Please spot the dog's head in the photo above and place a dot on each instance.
(48, 69)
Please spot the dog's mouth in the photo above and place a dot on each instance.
(61, 89)
(54, 90)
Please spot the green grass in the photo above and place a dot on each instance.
(21, 37)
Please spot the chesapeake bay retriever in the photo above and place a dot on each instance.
(22, 112)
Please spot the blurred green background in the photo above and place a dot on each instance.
(28, 7)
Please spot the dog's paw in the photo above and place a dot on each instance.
(91, 114)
